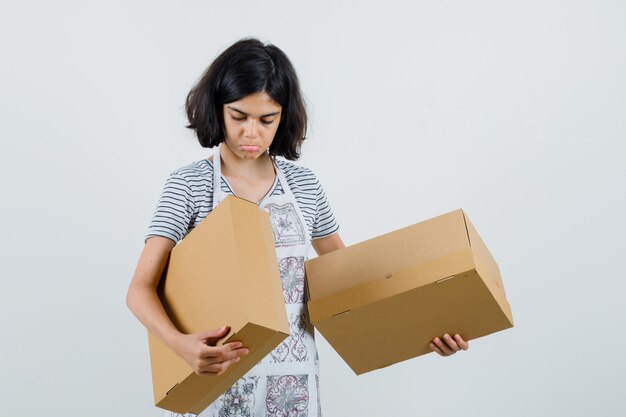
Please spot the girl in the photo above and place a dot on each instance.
(248, 104)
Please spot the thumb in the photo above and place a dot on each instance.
(211, 337)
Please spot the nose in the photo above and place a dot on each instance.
(252, 128)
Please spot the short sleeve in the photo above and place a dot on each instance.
(325, 223)
(174, 210)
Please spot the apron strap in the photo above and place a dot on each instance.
(281, 178)
(218, 194)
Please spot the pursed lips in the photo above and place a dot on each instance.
(250, 148)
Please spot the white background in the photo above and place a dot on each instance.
(513, 111)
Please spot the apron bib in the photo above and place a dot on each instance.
(285, 383)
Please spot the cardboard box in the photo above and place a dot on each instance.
(224, 271)
(382, 301)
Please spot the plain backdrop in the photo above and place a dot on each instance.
(512, 110)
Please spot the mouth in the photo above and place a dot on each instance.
(250, 148)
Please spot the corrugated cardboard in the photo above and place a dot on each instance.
(382, 301)
(224, 272)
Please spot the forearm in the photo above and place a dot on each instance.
(142, 296)
(143, 301)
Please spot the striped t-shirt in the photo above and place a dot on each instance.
(187, 198)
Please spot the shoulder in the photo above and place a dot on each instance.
(196, 176)
(301, 176)
(194, 170)
(193, 181)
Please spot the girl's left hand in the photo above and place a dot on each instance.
(447, 345)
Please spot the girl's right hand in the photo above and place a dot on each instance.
(200, 352)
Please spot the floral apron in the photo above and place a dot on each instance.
(285, 383)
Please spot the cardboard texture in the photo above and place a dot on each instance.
(383, 300)
(224, 272)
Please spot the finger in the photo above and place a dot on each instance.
(450, 341)
(226, 364)
(233, 345)
(210, 352)
(232, 354)
(436, 349)
(213, 369)
(206, 364)
(444, 348)
(224, 353)
(205, 373)
(218, 351)
(462, 343)
(215, 332)
(213, 336)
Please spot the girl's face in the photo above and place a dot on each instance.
(251, 124)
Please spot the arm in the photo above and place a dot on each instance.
(327, 244)
(143, 301)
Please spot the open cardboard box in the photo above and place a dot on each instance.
(223, 272)
(383, 300)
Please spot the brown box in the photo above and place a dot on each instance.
(383, 300)
(223, 272)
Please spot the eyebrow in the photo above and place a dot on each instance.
(246, 114)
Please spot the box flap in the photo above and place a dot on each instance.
(193, 393)
(258, 265)
(488, 268)
(208, 278)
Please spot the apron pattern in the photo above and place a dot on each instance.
(238, 400)
(292, 276)
(286, 227)
(317, 387)
(293, 348)
(287, 396)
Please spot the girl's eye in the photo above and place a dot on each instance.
(240, 119)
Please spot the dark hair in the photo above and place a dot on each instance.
(248, 67)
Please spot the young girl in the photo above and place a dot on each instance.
(248, 104)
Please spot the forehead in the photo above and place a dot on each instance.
(256, 105)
